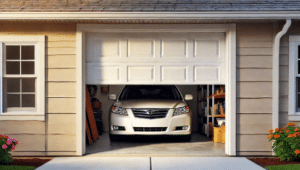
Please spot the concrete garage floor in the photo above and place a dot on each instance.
(156, 146)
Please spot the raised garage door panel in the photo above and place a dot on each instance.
(155, 58)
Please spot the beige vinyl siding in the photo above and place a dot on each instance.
(254, 88)
(57, 134)
(61, 143)
(61, 124)
(253, 105)
(253, 123)
(29, 142)
(60, 105)
(245, 51)
(253, 74)
(60, 62)
(61, 75)
(61, 89)
(254, 61)
(9, 127)
(253, 142)
(261, 88)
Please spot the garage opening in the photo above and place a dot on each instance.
(198, 57)
(206, 125)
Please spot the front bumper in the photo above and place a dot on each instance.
(151, 126)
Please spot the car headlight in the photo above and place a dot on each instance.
(181, 110)
(119, 110)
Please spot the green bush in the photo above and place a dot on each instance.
(286, 142)
(283, 167)
(8, 167)
(6, 145)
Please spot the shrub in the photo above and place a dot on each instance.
(6, 145)
(286, 142)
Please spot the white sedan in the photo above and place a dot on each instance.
(150, 110)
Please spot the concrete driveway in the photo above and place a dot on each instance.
(150, 163)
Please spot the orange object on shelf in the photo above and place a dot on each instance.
(218, 96)
(219, 115)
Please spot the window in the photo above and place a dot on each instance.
(22, 78)
(19, 77)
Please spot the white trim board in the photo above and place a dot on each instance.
(80, 95)
(1, 77)
(230, 119)
(294, 42)
(229, 29)
(275, 15)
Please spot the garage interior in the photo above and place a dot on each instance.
(202, 140)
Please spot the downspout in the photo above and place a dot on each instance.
(275, 91)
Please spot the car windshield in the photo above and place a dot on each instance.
(162, 92)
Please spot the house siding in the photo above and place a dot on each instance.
(254, 88)
(284, 75)
(57, 134)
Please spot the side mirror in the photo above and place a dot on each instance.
(188, 97)
(112, 97)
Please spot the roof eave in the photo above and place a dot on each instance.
(273, 15)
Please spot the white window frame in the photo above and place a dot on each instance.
(39, 43)
(294, 42)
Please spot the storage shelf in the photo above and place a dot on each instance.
(218, 96)
(218, 116)
(204, 100)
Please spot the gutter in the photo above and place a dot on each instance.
(275, 90)
(244, 15)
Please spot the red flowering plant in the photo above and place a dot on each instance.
(6, 145)
(286, 142)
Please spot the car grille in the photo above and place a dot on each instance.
(150, 129)
(150, 113)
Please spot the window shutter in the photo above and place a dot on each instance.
(1, 76)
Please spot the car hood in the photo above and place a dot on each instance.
(150, 103)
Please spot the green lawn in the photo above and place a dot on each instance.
(284, 167)
(12, 167)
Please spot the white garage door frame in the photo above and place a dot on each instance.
(230, 65)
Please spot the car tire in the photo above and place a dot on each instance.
(114, 138)
(186, 138)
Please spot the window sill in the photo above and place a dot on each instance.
(294, 117)
(22, 117)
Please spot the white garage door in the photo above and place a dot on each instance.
(155, 58)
